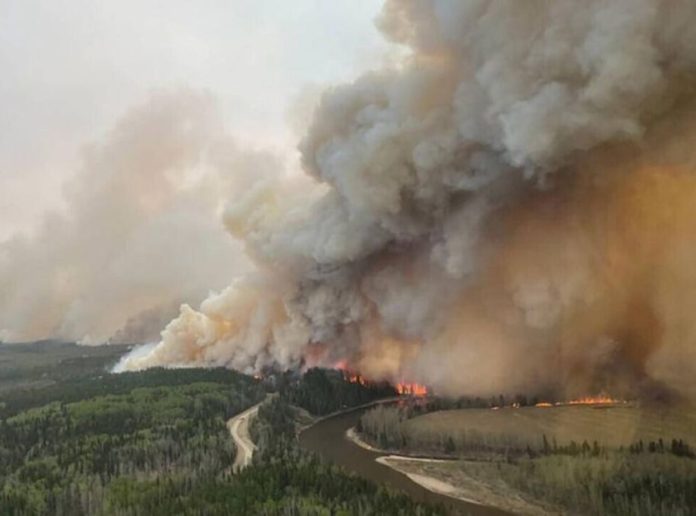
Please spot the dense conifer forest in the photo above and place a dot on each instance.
(323, 391)
(85, 457)
(155, 442)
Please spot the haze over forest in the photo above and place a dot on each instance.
(348, 257)
(499, 188)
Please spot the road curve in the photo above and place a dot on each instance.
(239, 430)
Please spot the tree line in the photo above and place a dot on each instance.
(656, 477)
(155, 443)
(63, 458)
(323, 391)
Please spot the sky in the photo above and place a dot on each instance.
(70, 68)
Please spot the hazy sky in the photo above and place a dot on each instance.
(69, 68)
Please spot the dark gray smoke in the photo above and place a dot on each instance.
(509, 206)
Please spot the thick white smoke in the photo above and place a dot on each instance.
(451, 231)
(140, 232)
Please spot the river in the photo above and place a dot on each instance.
(327, 438)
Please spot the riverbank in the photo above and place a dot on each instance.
(430, 483)
(313, 420)
(328, 440)
(450, 478)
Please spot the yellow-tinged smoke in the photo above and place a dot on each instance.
(589, 289)
(510, 208)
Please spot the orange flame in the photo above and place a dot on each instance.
(585, 400)
(356, 378)
(595, 400)
(348, 375)
(412, 389)
(403, 388)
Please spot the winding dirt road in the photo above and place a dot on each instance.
(239, 430)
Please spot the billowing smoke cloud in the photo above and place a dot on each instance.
(140, 232)
(509, 208)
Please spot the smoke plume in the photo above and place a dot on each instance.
(140, 232)
(510, 207)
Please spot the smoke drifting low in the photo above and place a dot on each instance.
(511, 208)
(140, 232)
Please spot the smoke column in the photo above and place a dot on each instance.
(140, 231)
(510, 207)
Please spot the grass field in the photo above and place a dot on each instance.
(485, 483)
(609, 426)
(503, 459)
(615, 483)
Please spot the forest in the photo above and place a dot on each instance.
(651, 477)
(323, 391)
(155, 442)
(157, 426)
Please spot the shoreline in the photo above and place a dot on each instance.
(432, 484)
(355, 438)
(475, 491)
(319, 419)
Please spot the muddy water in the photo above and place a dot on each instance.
(327, 438)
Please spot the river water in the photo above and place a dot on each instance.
(327, 438)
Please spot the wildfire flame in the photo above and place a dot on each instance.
(350, 376)
(585, 400)
(403, 388)
(412, 389)
(356, 378)
(595, 400)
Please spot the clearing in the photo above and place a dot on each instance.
(518, 427)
